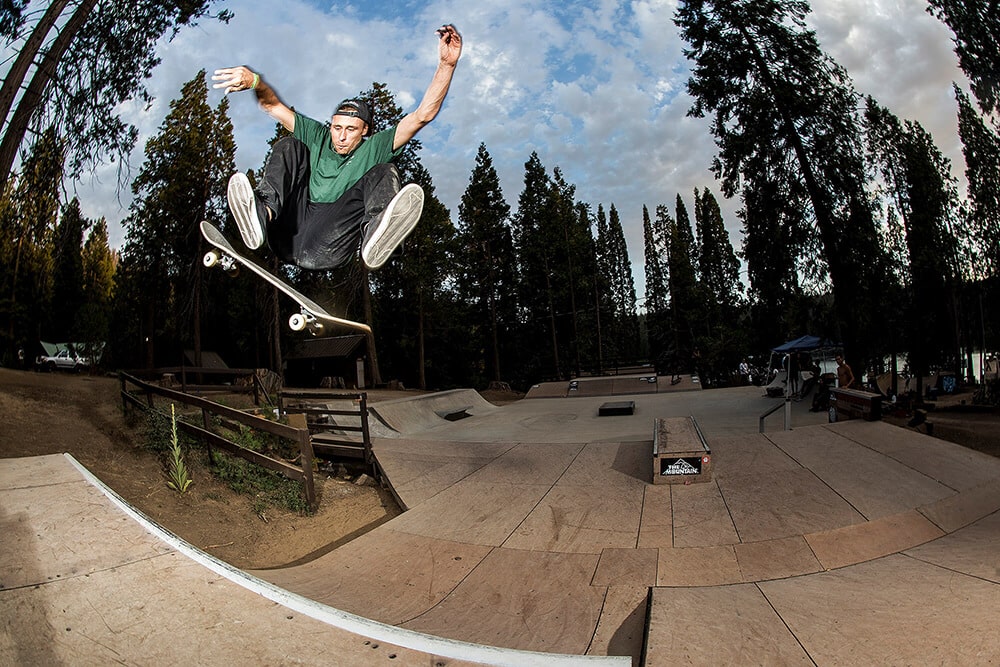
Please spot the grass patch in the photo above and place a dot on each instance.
(267, 488)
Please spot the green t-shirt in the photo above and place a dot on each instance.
(332, 174)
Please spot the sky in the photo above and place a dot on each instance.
(595, 87)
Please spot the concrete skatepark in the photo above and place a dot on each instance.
(533, 535)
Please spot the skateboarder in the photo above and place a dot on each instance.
(328, 188)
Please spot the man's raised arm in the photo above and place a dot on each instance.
(449, 50)
(234, 79)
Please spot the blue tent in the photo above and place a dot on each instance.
(804, 344)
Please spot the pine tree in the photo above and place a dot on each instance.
(182, 182)
(30, 212)
(684, 297)
(919, 180)
(413, 316)
(97, 59)
(787, 125)
(99, 266)
(67, 277)
(719, 281)
(623, 289)
(487, 273)
(981, 147)
(977, 44)
(658, 331)
(536, 246)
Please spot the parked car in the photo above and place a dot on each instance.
(64, 360)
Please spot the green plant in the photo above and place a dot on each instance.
(265, 487)
(178, 478)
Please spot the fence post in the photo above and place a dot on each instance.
(206, 424)
(121, 379)
(366, 437)
(298, 421)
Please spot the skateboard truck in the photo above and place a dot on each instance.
(303, 320)
(216, 258)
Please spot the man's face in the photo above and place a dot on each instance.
(346, 132)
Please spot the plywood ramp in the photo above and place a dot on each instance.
(85, 579)
(844, 543)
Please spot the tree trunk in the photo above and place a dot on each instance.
(552, 321)
(15, 77)
(366, 298)
(843, 293)
(32, 98)
(421, 353)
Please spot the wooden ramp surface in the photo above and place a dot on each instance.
(846, 543)
(554, 547)
(83, 580)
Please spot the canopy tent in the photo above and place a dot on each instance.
(804, 344)
(778, 385)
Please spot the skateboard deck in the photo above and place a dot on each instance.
(311, 315)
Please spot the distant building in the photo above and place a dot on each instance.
(336, 362)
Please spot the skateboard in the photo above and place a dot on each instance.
(311, 315)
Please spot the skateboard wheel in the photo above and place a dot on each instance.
(211, 258)
(297, 322)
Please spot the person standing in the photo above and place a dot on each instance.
(845, 376)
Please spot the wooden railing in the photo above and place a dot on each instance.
(298, 435)
(331, 432)
(193, 380)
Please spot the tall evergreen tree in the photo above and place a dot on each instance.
(182, 182)
(67, 275)
(576, 242)
(976, 27)
(536, 245)
(487, 273)
(415, 328)
(603, 301)
(786, 123)
(926, 196)
(683, 284)
(30, 211)
(720, 287)
(981, 147)
(718, 268)
(623, 290)
(99, 55)
(99, 266)
(658, 325)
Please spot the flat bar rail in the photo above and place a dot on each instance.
(787, 405)
(301, 473)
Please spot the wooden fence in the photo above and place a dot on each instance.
(331, 434)
(299, 435)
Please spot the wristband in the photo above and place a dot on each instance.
(256, 80)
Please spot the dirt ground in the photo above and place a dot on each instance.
(52, 413)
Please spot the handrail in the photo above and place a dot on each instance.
(788, 415)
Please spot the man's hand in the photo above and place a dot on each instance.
(234, 79)
(450, 45)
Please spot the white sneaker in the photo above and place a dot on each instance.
(397, 221)
(243, 205)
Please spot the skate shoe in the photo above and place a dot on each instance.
(395, 224)
(247, 209)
